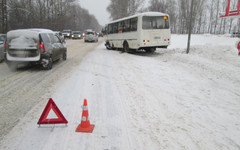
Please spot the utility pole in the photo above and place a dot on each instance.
(190, 28)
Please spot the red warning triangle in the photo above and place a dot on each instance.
(51, 105)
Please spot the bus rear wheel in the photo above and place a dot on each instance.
(150, 50)
(126, 47)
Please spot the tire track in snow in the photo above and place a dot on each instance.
(26, 87)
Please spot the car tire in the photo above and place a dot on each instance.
(64, 56)
(50, 63)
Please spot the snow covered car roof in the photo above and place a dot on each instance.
(33, 33)
(25, 38)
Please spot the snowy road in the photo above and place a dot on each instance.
(165, 100)
(22, 89)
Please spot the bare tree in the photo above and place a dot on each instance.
(3, 16)
(123, 8)
(51, 14)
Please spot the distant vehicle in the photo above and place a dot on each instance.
(67, 33)
(59, 34)
(33, 46)
(100, 34)
(88, 30)
(236, 34)
(76, 35)
(146, 31)
(91, 36)
(2, 42)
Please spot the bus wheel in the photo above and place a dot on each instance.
(150, 50)
(125, 47)
(108, 46)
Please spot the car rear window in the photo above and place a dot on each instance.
(76, 33)
(45, 38)
(88, 33)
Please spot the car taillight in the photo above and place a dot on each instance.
(5, 47)
(42, 48)
(95, 35)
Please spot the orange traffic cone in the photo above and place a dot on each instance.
(85, 125)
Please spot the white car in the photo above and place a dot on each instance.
(91, 36)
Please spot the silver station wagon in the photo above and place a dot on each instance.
(33, 46)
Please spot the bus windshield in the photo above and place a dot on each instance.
(155, 22)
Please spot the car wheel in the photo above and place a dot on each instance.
(49, 65)
(64, 57)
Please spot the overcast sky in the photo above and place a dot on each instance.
(98, 9)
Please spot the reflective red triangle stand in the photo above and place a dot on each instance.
(51, 105)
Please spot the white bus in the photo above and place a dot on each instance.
(146, 31)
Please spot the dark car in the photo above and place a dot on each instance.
(236, 34)
(67, 33)
(2, 41)
(76, 35)
(33, 46)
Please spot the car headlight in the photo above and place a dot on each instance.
(72, 35)
(79, 35)
(68, 34)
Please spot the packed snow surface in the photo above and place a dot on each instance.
(165, 100)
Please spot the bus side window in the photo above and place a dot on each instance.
(115, 28)
(105, 31)
(120, 27)
(110, 29)
(127, 25)
(134, 24)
